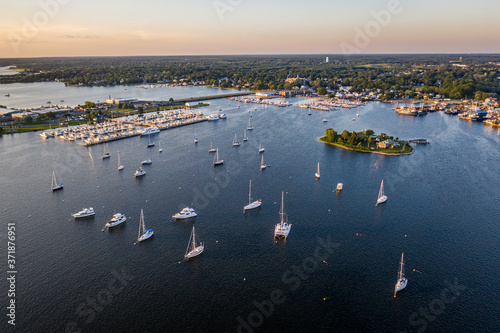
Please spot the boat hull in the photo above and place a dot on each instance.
(57, 188)
(195, 252)
(112, 224)
(401, 284)
(382, 200)
(253, 205)
(146, 235)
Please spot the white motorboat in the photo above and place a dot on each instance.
(146, 162)
(213, 117)
(340, 187)
(261, 149)
(235, 141)
(86, 212)
(402, 281)
(222, 116)
(324, 120)
(262, 164)
(254, 204)
(217, 160)
(55, 186)
(139, 173)
(192, 249)
(186, 213)
(150, 130)
(381, 196)
(143, 232)
(317, 174)
(282, 229)
(117, 219)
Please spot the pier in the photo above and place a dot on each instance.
(419, 141)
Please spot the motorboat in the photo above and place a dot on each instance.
(86, 212)
(117, 219)
(150, 130)
(186, 213)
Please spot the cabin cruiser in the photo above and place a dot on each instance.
(86, 212)
(150, 130)
(186, 213)
(117, 219)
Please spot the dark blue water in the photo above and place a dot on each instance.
(442, 212)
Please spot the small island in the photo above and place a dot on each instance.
(366, 141)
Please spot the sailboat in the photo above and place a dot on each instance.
(105, 153)
(193, 250)
(282, 229)
(150, 144)
(120, 166)
(143, 232)
(195, 137)
(160, 149)
(249, 127)
(217, 160)
(54, 185)
(402, 281)
(317, 175)
(251, 205)
(381, 196)
(212, 149)
(262, 164)
(261, 149)
(235, 141)
(245, 135)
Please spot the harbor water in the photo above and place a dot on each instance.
(335, 272)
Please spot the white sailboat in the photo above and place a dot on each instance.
(212, 149)
(193, 250)
(262, 164)
(217, 160)
(195, 137)
(251, 205)
(317, 175)
(160, 149)
(381, 196)
(105, 153)
(235, 141)
(249, 127)
(120, 166)
(143, 232)
(261, 149)
(245, 135)
(282, 229)
(55, 186)
(150, 144)
(402, 281)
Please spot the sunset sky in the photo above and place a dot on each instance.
(33, 28)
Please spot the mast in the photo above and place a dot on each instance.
(282, 209)
(53, 179)
(318, 168)
(401, 274)
(194, 241)
(250, 192)
(381, 192)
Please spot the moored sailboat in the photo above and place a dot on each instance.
(317, 175)
(217, 160)
(402, 281)
(193, 250)
(55, 186)
(120, 166)
(282, 229)
(381, 196)
(143, 232)
(251, 205)
(235, 141)
(262, 164)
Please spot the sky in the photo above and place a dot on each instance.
(48, 28)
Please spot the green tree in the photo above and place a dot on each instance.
(89, 105)
(369, 132)
(28, 120)
(1, 130)
(131, 105)
(119, 106)
(321, 91)
(171, 100)
(345, 135)
(50, 115)
(140, 110)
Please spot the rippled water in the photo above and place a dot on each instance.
(442, 212)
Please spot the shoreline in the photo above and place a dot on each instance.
(364, 151)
